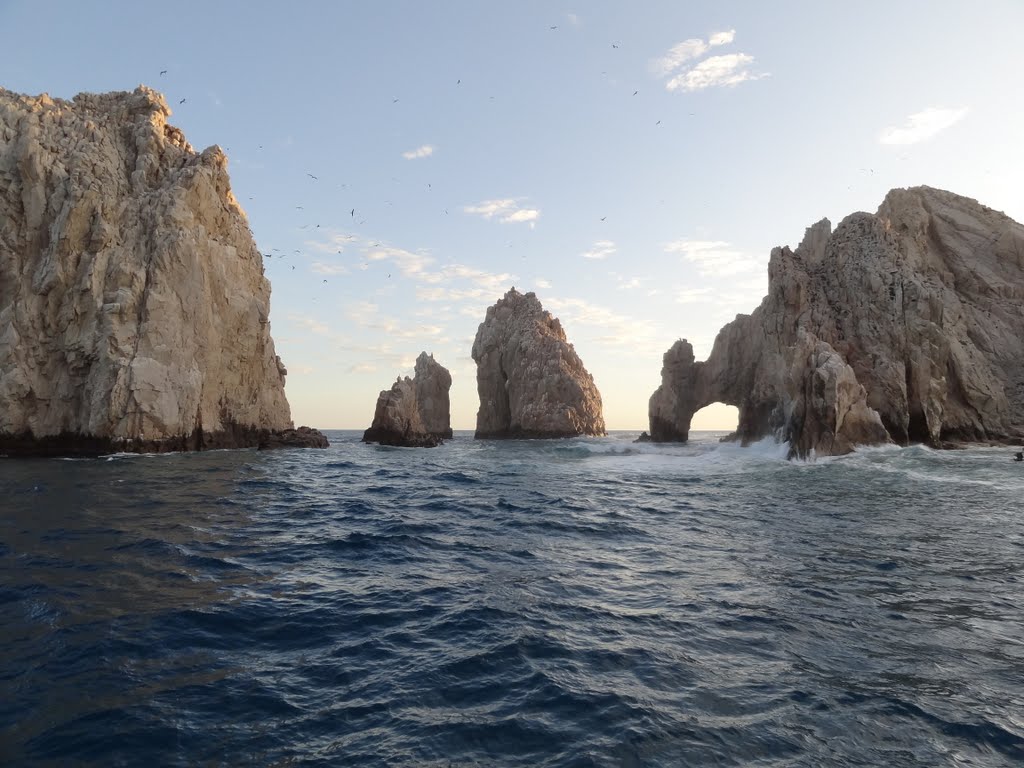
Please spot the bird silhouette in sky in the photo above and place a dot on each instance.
(603, 218)
(163, 71)
(352, 213)
(635, 92)
(182, 101)
(313, 177)
(553, 27)
(614, 45)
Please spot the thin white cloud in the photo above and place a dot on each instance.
(714, 258)
(492, 281)
(715, 71)
(506, 210)
(602, 249)
(329, 269)
(366, 315)
(605, 326)
(694, 296)
(410, 264)
(310, 323)
(524, 214)
(921, 126)
(541, 283)
(414, 154)
(679, 54)
(573, 19)
(728, 69)
(335, 242)
(363, 368)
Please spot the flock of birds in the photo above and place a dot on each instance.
(352, 212)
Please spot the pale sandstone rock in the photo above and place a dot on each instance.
(911, 319)
(134, 314)
(416, 411)
(531, 382)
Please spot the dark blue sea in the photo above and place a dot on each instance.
(587, 602)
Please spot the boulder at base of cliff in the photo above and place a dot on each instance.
(531, 382)
(415, 412)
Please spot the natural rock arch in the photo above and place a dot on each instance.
(904, 326)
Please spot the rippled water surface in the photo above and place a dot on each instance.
(565, 603)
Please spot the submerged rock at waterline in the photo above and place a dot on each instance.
(134, 313)
(531, 382)
(906, 325)
(415, 412)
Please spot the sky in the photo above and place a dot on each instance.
(403, 164)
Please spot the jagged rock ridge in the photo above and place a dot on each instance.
(906, 325)
(531, 382)
(134, 314)
(414, 412)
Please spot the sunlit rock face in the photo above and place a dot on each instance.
(906, 325)
(531, 382)
(414, 412)
(134, 314)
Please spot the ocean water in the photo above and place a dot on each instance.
(587, 602)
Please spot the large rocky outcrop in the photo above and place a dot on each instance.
(531, 382)
(414, 412)
(906, 325)
(133, 306)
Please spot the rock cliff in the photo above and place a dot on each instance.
(414, 412)
(531, 382)
(906, 325)
(134, 314)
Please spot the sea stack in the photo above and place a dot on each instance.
(134, 313)
(905, 326)
(415, 412)
(531, 382)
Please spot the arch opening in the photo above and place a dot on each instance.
(715, 417)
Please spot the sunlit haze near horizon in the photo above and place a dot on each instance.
(403, 164)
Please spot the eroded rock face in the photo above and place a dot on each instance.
(134, 314)
(414, 412)
(531, 382)
(904, 326)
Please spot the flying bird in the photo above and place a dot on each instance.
(635, 92)
(603, 218)
(163, 71)
(352, 213)
(553, 27)
(614, 45)
(459, 81)
(658, 123)
(312, 176)
(182, 101)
